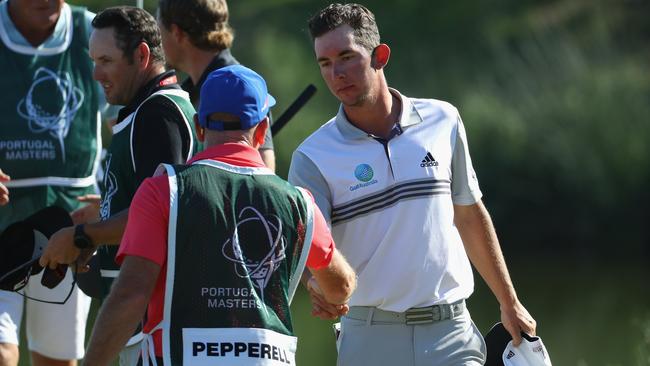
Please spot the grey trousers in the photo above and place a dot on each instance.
(450, 342)
(129, 355)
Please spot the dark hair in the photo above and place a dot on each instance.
(132, 26)
(358, 17)
(205, 21)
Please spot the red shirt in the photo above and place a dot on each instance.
(146, 230)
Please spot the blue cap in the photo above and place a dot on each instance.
(235, 90)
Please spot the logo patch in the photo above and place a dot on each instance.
(259, 270)
(42, 117)
(510, 355)
(364, 174)
(110, 188)
(428, 161)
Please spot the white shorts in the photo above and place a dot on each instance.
(55, 331)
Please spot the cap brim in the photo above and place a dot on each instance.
(23, 242)
(21, 248)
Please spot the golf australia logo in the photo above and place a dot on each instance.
(364, 174)
(258, 269)
(51, 104)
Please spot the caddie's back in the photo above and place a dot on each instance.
(237, 245)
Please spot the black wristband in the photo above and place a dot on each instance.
(81, 239)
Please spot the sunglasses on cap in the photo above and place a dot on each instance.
(50, 279)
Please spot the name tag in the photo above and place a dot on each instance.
(237, 347)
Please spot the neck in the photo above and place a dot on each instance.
(196, 61)
(35, 36)
(143, 79)
(214, 138)
(153, 72)
(378, 116)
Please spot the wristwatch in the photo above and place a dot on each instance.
(81, 239)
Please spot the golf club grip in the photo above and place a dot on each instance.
(297, 104)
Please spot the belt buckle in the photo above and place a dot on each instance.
(415, 316)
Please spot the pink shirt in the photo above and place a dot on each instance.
(146, 230)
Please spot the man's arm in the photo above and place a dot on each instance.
(304, 173)
(482, 247)
(61, 249)
(336, 281)
(122, 311)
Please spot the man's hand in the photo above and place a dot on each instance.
(4, 191)
(516, 319)
(85, 255)
(60, 249)
(320, 307)
(88, 213)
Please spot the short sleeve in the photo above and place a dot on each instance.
(322, 244)
(464, 183)
(146, 231)
(160, 136)
(304, 173)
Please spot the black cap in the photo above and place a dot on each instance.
(23, 242)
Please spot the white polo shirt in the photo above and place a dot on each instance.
(390, 204)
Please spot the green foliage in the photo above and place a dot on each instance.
(554, 98)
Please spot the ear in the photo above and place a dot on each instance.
(260, 132)
(200, 132)
(141, 55)
(380, 56)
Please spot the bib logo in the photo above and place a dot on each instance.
(363, 173)
(260, 269)
(110, 187)
(51, 104)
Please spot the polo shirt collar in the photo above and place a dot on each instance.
(221, 59)
(408, 117)
(232, 153)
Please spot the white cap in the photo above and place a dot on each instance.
(530, 352)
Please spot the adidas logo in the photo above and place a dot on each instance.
(428, 161)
